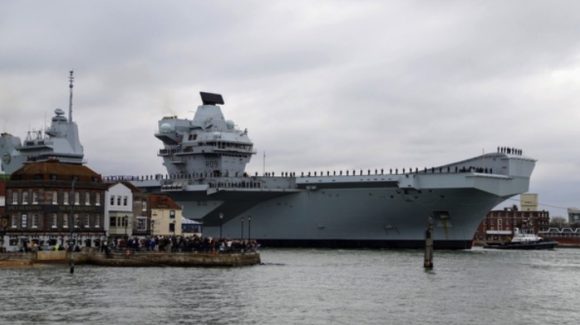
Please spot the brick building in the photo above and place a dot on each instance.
(498, 225)
(47, 201)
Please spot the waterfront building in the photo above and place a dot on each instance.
(573, 216)
(165, 216)
(48, 202)
(498, 225)
(141, 220)
(529, 202)
(190, 227)
(119, 210)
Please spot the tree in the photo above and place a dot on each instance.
(558, 222)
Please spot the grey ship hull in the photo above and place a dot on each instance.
(356, 211)
(343, 217)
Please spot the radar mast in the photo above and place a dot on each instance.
(71, 78)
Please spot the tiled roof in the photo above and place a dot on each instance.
(158, 201)
(53, 167)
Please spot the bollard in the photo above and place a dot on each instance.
(428, 263)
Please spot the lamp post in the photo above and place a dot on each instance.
(249, 227)
(221, 223)
(126, 222)
(71, 227)
(242, 230)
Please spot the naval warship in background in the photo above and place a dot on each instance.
(60, 141)
(206, 157)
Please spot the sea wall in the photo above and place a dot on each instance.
(132, 259)
(146, 259)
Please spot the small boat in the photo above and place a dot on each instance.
(523, 240)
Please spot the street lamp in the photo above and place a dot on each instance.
(249, 227)
(221, 223)
(71, 226)
(242, 230)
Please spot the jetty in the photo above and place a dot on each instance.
(130, 258)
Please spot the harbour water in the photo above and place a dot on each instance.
(308, 286)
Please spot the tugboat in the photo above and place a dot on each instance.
(522, 240)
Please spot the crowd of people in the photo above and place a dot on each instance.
(179, 244)
(145, 244)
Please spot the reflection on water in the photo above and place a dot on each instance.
(308, 287)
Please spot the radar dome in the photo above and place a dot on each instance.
(166, 128)
(230, 124)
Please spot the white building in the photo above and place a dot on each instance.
(119, 210)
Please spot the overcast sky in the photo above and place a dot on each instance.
(320, 85)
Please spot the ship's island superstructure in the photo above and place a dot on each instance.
(206, 157)
(60, 141)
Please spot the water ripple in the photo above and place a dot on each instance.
(307, 286)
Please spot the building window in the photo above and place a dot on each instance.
(119, 200)
(54, 219)
(76, 220)
(172, 214)
(87, 220)
(97, 198)
(34, 221)
(25, 197)
(125, 201)
(97, 221)
(77, 198)
(112, 200)
(171, 227)
(141, 223)
(87, 198)
(65, 199)
(34, 197)
(14, 221)
(65, 220)
(113, 222)
(144, 205)
(23, 221)
(54, 197)
(15, 197)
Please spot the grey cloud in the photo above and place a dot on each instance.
(331, 85)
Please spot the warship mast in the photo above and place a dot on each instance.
(71, 78)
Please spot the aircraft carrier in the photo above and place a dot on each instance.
(206, 156)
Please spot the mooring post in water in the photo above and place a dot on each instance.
(428, 264)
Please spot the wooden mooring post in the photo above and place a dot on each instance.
(428, 263)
